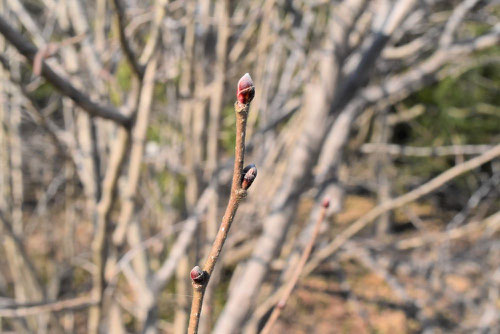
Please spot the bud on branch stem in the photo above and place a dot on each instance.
(248, 176)
(197, 275)
(246, 90)
(242, 180)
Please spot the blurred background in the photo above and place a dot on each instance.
(117, 144)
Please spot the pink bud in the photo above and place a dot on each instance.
(246, 89)
(197, 274)
(326, 202)
(249, 175)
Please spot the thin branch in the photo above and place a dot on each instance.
(278, 308)
(470, 229)
(13, 241)
(424, 151)
(127, 48)
(397, 202)
(167, 269)
(28, 50)
(101, 222)
(399, 86)
(154, 34)
(454, 21)
(17, 310)
(136, 153)
(238, 192)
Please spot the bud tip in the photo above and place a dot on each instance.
(249, 174)
(246, 89)
(197, 274)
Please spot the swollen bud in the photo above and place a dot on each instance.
(246, 90)
(197, 275)
(248, 176)
(326, 202)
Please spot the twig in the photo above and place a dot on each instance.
(50, 50)
(104, 206)
(397, 202)
(167, 269)
(16, 311)
(125, 44)
(27, 49)
(468, 230)
(424, 151)
(454, 21)
(12, 242)
(278, 308)
(241, 182)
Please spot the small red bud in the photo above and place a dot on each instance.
(197, 275)
(246, 90)
(249, 175)
(326, 202)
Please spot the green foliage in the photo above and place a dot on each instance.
(456, 110)
(123, 78)
(154, 132)
(462, 109)
(124, 75)
(159, 95)
(43, 92)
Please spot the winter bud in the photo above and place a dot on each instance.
(246, 90)
(249, 175)
(326, 202)
(197, 275)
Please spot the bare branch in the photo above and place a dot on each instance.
(397, 202)
(290, 285)
(454, 21)
(124, 41)
(245, 94)
(62, 84)
(392, 149)
(24, 310)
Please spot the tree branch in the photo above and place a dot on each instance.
(127, 48)
(239, 188)
(28, 50)
(278, 308)
(397, 202)
(16, 311)
(402, 150)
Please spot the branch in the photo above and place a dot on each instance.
(108, 199)
(278, 308)
(398, 86)
(397, 202)
(454, 21)
(62, 139)
(424, 151)
(154, 34)
(489, 224)
(124, 42)
(242, 179)
(11, 240)
(358, 76)
(136, 152)
(17, 311)
(28, 50)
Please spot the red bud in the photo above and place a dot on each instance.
(197, 275)
(326, 202)
(249, 175)
(246, 89)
